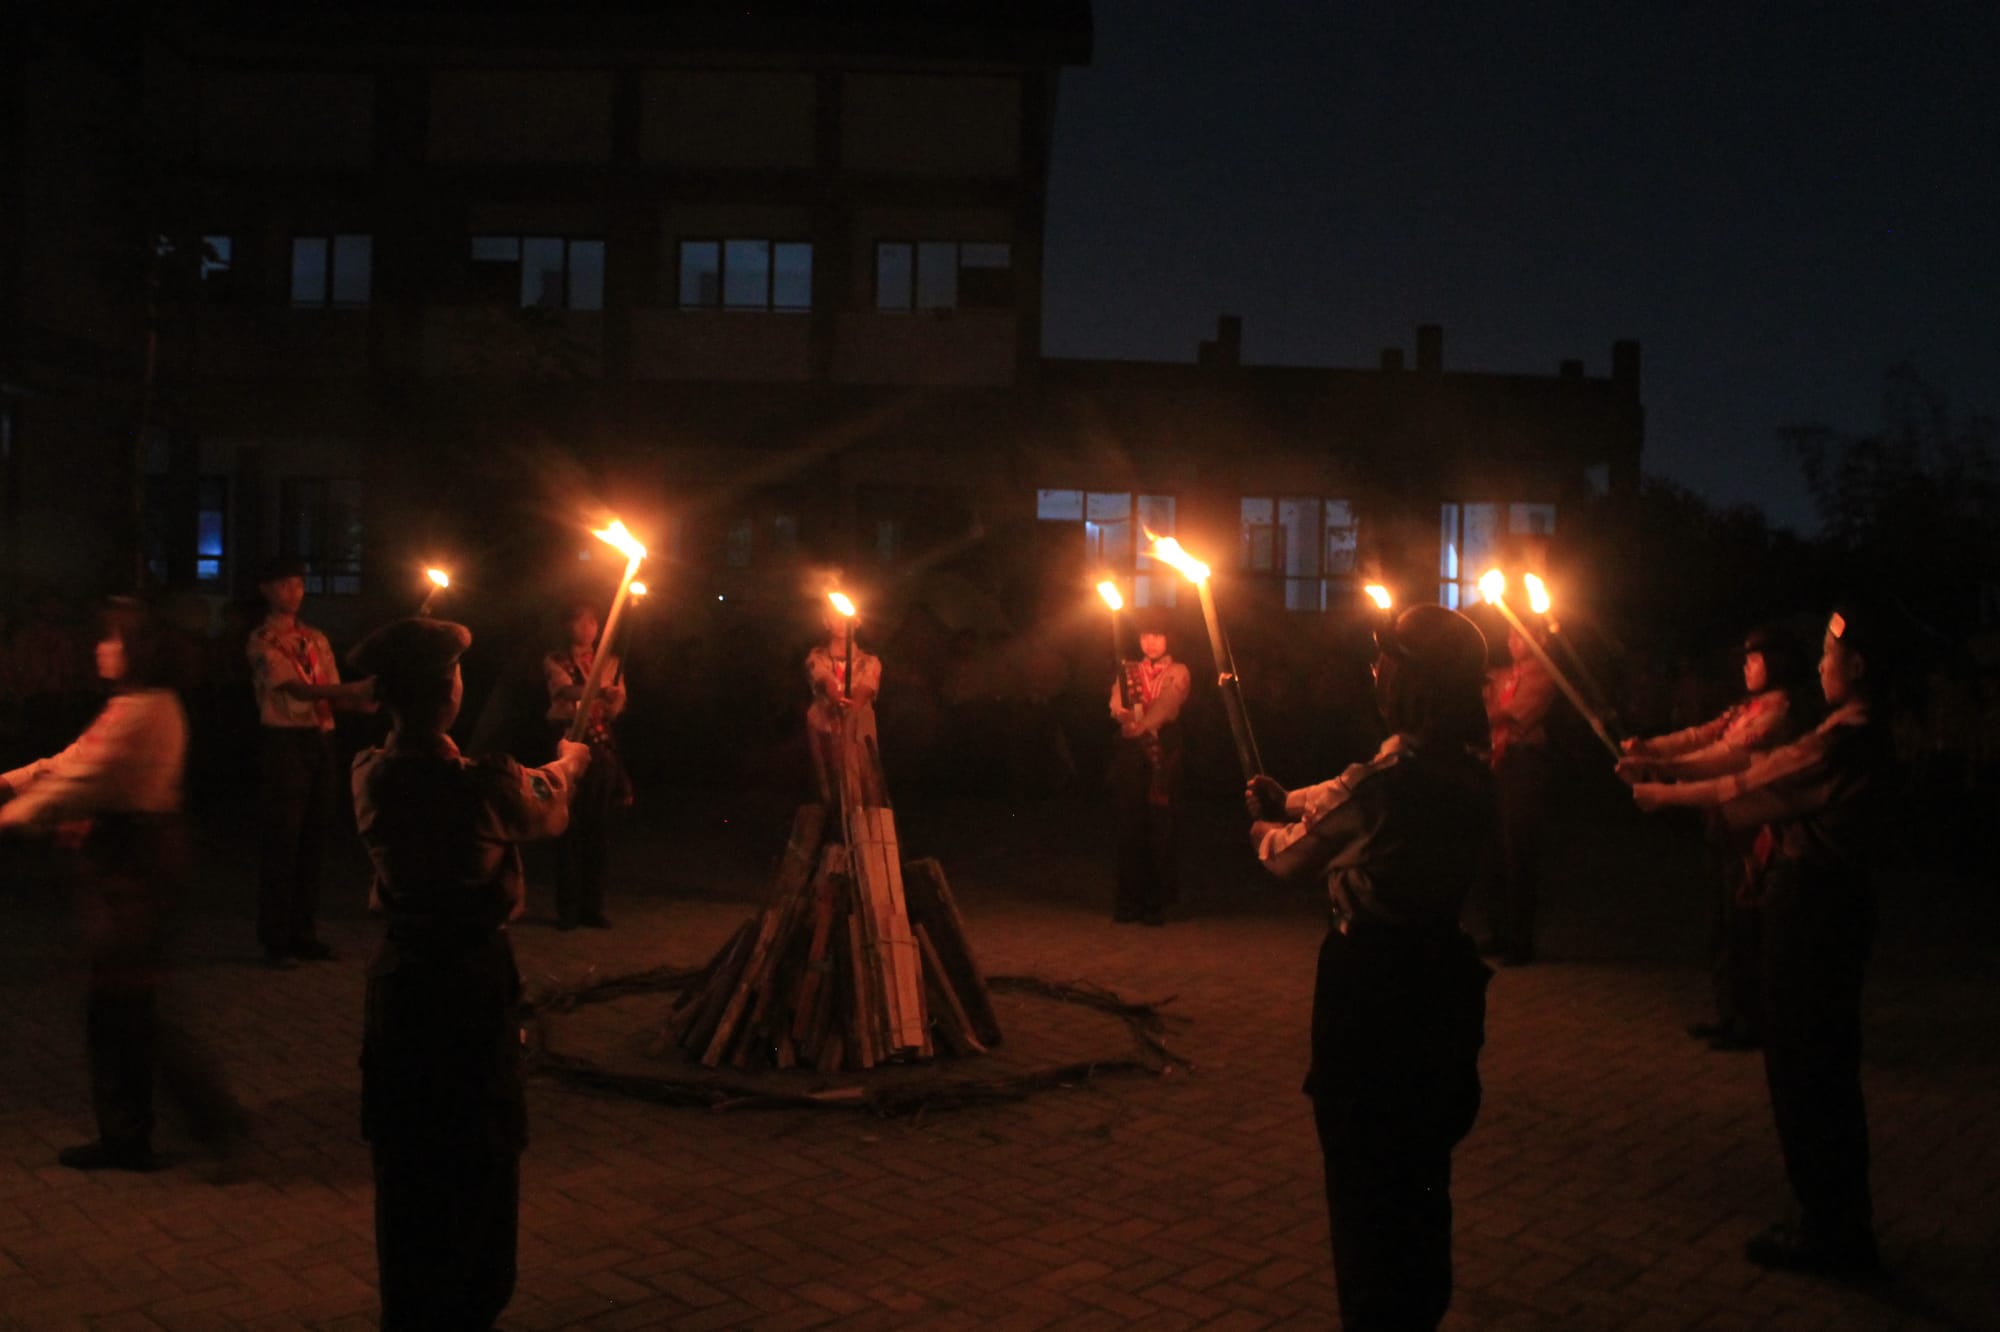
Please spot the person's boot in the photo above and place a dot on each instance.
(133, 1156)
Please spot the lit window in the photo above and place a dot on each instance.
(942, 275)
(332, 272)
(218, 253)
(540, 272)
(211, 530)
(1114, 526)
(1306, 541)
(746, 275)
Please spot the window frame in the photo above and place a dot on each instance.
(913, 247)
(324, 575)
(771, 245)
(1149, 587)
(330, 271)
(567, 301)
(1278, 574)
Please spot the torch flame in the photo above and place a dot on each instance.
(1379, 595)
(1493, 585)
(439, 577)
(1538, 594)
(1168, 551)
(841, 603)
(1109, 591)
(627, 544)
(640, 589)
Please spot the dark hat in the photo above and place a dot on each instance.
(411, 649)
(1436, 639)
(1153, 620)
(281, 566)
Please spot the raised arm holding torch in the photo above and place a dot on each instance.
(1168, 551)
(634, 553)
(1493, 586)
(440, 580)
(1109, 591)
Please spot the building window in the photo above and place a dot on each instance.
(319, 522)
(942, 275)
(218, 259)
(1114, 528)
(332, 272)
(211, 530)
(746, 275)
(1472, 539)
(541, 272)
(1304, 540)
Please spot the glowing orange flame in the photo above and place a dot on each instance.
(1168, 551)
(842, 604)
(1538, 594)
(640, 589)
(1379, 595)
(1493, 585)
(439, 577)
(1109, 591)
(627, 544)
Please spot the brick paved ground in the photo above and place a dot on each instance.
(1610, 1182)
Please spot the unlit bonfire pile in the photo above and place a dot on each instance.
(857, 960)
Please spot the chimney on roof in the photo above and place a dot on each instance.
(1430, 349)
(1625, 363)
(1226, 348)
(1571, 370)
(1392, 360)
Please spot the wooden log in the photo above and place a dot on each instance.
(810, 984)
(709, 1012)
(948, 1018)
(862, 1036)
(800, 854)
(931, 905)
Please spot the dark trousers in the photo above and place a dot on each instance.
(1735, 942)
(1817, 938)
(1147, 811)
(1520, 790)
(583, 851)
(446, 1221)
(298, 776)
(130, 868)
(1397, 1026)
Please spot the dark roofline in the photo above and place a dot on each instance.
(994, 32)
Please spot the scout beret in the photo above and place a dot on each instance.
(411, 649)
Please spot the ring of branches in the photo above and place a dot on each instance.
(1151, 1056)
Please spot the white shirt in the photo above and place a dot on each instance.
(128, 761)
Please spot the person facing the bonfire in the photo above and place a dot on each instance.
(442, 1105)
(1146, 773)
(1399, 1002)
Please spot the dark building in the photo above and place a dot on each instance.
(430, 278)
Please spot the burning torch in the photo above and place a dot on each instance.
(639, 591)
(845, 605)
(440, 580)
(1168, 551)
(1493, 586)
(1109, 591)
(628, 546)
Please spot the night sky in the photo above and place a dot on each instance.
(1779, 200)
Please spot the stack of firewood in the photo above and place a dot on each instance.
(858, 959)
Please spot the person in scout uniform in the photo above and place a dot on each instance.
(1399, 1000)
(1825, 798)
(845, 681)
(298, 687)
(582, 852)
(1146, 771)
(441, 1098)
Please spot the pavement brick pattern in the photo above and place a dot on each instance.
(1612, 1177)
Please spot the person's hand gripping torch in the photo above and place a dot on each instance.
(1493, 586)
(1168, 551)
(1109, 591)
(634, 553)
(440, 581)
